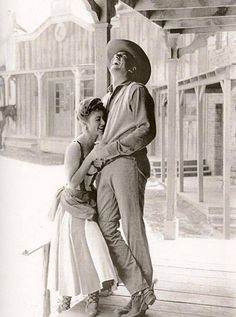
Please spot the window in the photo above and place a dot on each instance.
(87, 88)
(59, 97)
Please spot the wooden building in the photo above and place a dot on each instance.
(54, 69)
(58, 64)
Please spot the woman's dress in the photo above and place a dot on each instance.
(79, 258)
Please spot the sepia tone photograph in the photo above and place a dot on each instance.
(118, 158)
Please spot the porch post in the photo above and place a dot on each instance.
(102, 37)
(200, 148)
(6, 88)
(171, 223)
(163, 104)
(101, 11)
(77, 75)
(226, 156)
(39, 76)
(158, 120)
(181, 142)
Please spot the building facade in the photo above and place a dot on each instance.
(55, 69)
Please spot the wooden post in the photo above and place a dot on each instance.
(200, 147)
(101, 11)
(39, 76)
(46, 292)
(163, 105)
(102, 37)
(226, 156)
(171, 223)
(6, 88)
(77, 75)
(181, 142)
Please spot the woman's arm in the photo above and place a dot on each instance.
(75, 172)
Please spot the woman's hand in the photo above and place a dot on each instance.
(100, 151)
(98, 163)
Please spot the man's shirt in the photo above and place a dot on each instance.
(131, 121)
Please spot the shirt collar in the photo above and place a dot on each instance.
(125, 83)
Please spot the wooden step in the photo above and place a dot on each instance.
(190, 167)
(217, 221)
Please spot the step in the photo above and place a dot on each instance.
(215, 211)
(154, 161)
(186, 168)
(217, 220)
(186, 173)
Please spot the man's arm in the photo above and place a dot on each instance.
(142, 107)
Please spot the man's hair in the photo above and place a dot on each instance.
(89, 105)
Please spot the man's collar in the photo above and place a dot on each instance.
(125, 83)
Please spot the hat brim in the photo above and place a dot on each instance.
(143, 71)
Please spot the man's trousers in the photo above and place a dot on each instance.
(120, 195)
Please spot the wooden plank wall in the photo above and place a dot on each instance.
(45, 52)
(26, 87)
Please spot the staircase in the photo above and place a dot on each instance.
(190, 167)
(215, 217)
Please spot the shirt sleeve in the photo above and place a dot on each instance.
(142, 106)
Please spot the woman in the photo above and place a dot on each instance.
(79, 260)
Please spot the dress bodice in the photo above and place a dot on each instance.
(87, 183)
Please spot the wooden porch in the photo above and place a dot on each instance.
(195, 278)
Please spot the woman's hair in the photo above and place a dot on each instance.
(87, 106)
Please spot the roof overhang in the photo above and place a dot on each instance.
(188, 16)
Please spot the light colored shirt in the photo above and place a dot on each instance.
(131, 121)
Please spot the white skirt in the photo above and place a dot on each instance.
(79, 258)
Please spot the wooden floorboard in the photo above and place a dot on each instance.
(194, 272)
(181, 292)
(188, 297)
(222, 290)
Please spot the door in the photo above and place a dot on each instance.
(61, 100)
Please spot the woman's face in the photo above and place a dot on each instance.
(96, 123)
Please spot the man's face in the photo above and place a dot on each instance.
(119, 61)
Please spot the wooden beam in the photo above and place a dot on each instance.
(164, 15)
(39, 76)
(199, 23)
(77, 126)
(170, 226)
(163, 105)
(210, 29)
(142, 5)
(171, 223)
(200, 148)
(226, 156)
(181, 141)
(46, 292)
(102, 37)
(200, 40)
(6, 88)
(47, 70)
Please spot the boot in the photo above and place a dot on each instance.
(92, 304)
(139, 302)
(124, 310)
(64, 303)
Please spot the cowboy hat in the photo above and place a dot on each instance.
(143, 70)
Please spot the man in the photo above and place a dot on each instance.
(121, 183)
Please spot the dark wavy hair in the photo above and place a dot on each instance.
(89, 105)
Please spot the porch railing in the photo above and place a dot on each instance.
(46, 293)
